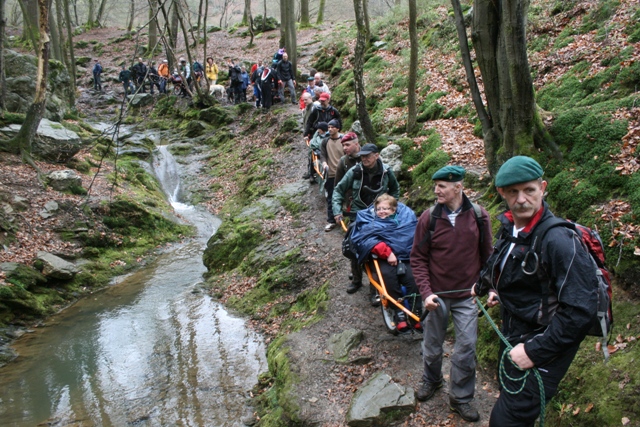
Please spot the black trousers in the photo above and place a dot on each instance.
(522, 409)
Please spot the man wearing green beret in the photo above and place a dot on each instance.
(451, 243)
(548, 301)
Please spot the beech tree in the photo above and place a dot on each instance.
(3, 80)
(358, 72)
(22, 142)
(412, 114)
(510, 121)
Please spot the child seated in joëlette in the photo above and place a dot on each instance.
(386, 230)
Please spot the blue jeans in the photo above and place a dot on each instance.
(292, 90)
(463, 361)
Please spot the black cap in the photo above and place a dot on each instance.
(368, 149)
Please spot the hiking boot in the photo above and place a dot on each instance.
(306, 176)
(330, 227)
(353, 287)
(427, 390)
(466, 411)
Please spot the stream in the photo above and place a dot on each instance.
(151, 350)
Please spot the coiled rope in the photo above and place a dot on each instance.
(503, 373)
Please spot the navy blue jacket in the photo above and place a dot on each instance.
(396, 231)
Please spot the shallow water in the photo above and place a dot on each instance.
(149, 351)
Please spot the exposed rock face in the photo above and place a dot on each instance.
(63, 180)
(380, 402)
(53, 142)
(56, 267)
(391, 155)
(140, 99)
(343, 343)
(21, 84)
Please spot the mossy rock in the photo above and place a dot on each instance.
(233, 241)
(23, 275)
(216, 116)
(220, 137)
(195, 128)
(83, 61)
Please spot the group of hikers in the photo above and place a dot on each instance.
(447, 256)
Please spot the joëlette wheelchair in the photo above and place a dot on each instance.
(321, 173)
(389, 305)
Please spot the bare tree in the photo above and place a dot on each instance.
(101, 9)
(153, 27)
(512, 124)
(132, 11)
(246, 13)
(320, 19)
(56, 51)
(22, 142)
(413, 68)
(358, 73)
(3, 77)
(304, 13)
(30, 21)
(71, 64)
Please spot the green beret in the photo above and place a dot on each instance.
(449, 174)
(517, 170)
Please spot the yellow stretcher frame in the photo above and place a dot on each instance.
(316, 163)
(385, 298)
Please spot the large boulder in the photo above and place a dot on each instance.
(380, 402)
(21, 71)
(64, 180)
(56, 267)
(391, 155)
(140, 100)
(53, 142)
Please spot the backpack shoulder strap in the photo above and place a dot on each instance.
(431, 228)
(479, 221)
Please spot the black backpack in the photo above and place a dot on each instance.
(432, 224)
(348, 249)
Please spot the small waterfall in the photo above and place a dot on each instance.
(166, 170)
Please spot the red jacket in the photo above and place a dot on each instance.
(453, 257)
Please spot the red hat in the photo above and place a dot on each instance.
(350, 136)
(325, 96)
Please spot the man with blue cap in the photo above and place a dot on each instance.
(548, 301)
(451, 243)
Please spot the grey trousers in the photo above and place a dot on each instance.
(463, 361)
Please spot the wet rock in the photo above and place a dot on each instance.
(380, 402)
(391, 155)
(53, 141)
(50, 209)
(64, 180)
(380, 44)
(341, 344)
(56, 267)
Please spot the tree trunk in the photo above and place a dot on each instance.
(103, 5)
(320, 19)
(22, 142)
(304, 14)
(153, 27)
(173, 27)
(56, 51)
(30, 21)
(72, 58)
(3, 77)
(292, 40)
(132, 11)
(61, 34)
(264, 17)
(365, 14)
(92, 11)
(246, 13)
(499, 40)
(413, 68)
(283, 23)
(358, 73)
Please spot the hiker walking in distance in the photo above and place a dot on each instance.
(548, 301)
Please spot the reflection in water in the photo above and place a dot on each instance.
(150, 351)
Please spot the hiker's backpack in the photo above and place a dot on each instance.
(348, 248)
(593, 244)
(432, 224)
(197, 66)
(236, 75)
